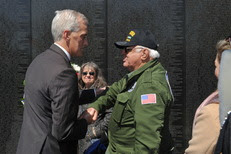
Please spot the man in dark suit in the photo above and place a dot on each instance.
(50, 124)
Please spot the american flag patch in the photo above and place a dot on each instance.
(148, 99)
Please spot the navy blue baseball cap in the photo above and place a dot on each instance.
(138, 37)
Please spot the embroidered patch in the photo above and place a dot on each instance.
(132, 33)
(129, 37)
(148, 99)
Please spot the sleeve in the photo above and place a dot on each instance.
(63, 92)
(206, 131)
(108, 100)
(149, 117)
(87, 96)
(224, 85)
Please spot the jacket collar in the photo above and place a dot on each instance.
(143, 68)
(64, 50)
(58, 50)
(132, 77)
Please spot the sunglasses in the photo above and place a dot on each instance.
(127, 49)
(90, 73)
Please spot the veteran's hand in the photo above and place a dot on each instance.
(93, 112)
(90, 115)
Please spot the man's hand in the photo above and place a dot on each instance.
(93, 112)
(90, 115)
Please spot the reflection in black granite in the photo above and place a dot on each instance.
(187, 32)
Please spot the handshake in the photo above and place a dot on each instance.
(90, 115)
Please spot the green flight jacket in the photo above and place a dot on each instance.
(138, 125)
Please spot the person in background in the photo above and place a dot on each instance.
(206, 125)
(91, 78)
(50, 124)
(141, 100)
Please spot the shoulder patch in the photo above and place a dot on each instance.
(148, 99)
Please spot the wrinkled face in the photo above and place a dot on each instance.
(132, 59)
(78, 40)
(88, 76)
(217, 67)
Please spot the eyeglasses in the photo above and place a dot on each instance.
(90, 73)
(129, 49)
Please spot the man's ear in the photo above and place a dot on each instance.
(145, 54)
(66, 34)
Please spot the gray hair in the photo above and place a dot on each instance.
(152, 53)
(66, 20)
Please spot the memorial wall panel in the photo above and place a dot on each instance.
(206, 23)
(186, 31)
(14, 59)
(95, 10)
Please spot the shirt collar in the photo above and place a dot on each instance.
(65, 51)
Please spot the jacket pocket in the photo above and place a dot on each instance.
(119, 107)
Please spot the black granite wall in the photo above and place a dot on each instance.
(186, 31)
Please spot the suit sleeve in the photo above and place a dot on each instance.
(149, 118)
(206, 131)
(64, 94)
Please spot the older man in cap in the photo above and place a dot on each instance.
(141, 100)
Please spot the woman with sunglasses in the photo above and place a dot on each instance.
(91, 78)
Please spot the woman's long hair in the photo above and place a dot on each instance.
(99, 82)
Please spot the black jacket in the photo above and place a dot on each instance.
(224, 140)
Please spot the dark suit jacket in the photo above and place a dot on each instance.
(50, 124)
